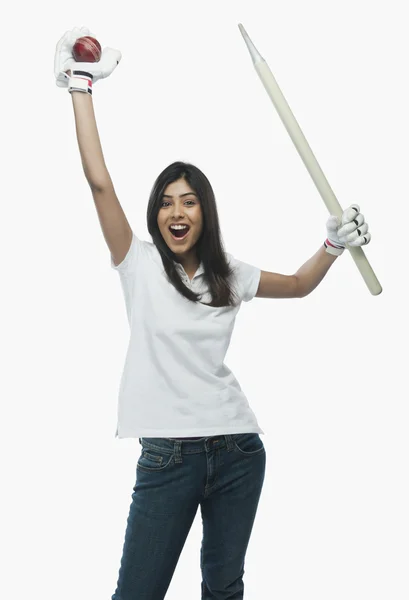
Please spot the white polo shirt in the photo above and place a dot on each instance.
(174, 382)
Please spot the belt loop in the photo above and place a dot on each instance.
(229, 443)
(177, 450)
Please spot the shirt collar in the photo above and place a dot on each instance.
(158, 259)
(182, 271)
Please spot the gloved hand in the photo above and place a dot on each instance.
(351, 229)
(64, 60)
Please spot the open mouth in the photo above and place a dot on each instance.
(179, 233)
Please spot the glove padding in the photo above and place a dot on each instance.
(351, 229)
(64, 60)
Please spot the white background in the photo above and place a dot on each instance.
(325, 375)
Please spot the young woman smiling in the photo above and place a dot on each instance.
(201, 444)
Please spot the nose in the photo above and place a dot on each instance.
(177, 211)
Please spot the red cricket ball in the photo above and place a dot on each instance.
(86, 49)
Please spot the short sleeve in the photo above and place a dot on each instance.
(247, 278)
(129, 262)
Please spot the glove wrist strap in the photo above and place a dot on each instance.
(80, 81)
(332, 248)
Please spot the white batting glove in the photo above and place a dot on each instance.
(351, 229)
(64, 60)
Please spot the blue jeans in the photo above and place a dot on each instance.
(224, 474)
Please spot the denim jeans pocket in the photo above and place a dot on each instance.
(152, 459)
(248, 444)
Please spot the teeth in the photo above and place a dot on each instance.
(178, 226)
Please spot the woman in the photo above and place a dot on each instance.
(200, 439)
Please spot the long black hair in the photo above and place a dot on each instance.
(209, 246)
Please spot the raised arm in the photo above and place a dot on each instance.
(79, 78)
(114, 224)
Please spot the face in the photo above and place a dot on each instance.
(180, 205)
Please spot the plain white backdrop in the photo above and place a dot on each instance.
(326, 375)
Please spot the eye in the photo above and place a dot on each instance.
(165, 202)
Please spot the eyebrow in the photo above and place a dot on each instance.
(181, 195)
